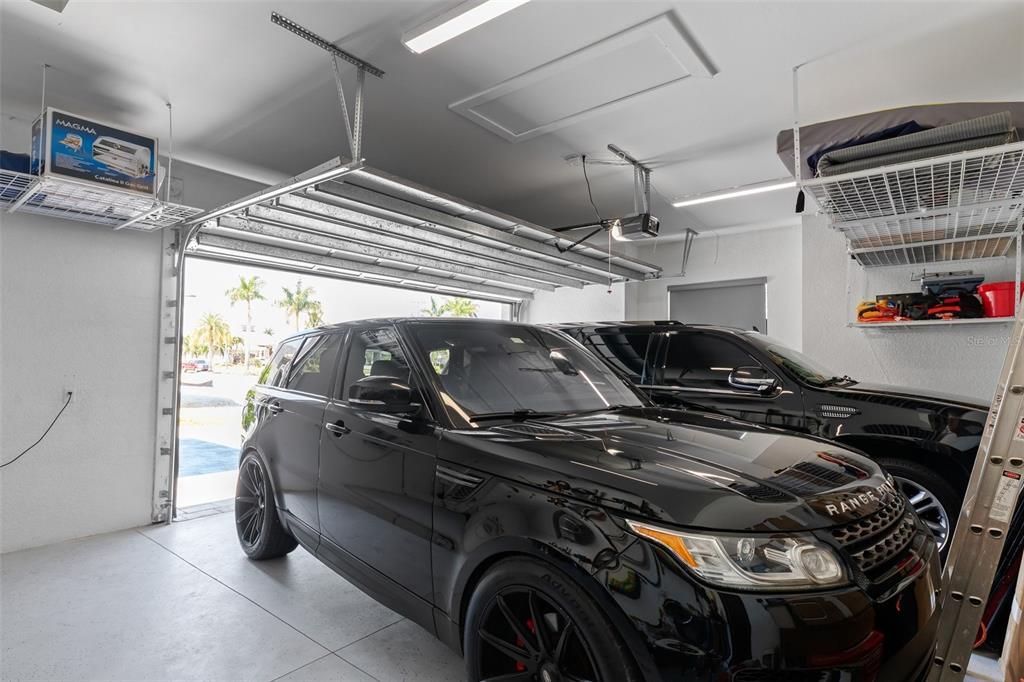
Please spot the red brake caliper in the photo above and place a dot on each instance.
(532, 627)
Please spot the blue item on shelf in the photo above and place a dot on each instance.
(14, 162)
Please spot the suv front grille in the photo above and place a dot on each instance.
(875, 543)
(889, 546)
(873, 525)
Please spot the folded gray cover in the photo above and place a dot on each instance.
(984, 131)
(818, 136)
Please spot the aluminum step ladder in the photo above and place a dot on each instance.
(981, 531)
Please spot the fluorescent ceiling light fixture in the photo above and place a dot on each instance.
(773, 186)
(457, 21)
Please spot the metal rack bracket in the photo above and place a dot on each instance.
(353, 126)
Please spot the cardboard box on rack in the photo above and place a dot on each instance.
(71, 147)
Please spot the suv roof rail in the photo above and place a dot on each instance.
(620, 323)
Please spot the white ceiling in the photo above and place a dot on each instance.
(253, 100)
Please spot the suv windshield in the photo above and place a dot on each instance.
(493, 371)
(798, 363)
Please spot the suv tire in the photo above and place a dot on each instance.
(527, 606)
(259, 528)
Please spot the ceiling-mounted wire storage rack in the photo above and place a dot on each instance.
(72, 200)
(962, 206)
(965, 206)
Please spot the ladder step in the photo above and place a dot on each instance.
(991, 499)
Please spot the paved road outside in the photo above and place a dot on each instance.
(210, 430)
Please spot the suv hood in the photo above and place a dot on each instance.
(911, 395)
(691, 469)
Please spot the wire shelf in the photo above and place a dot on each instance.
(935, 252)
(955, 207)
(78, 201)
(905, 324)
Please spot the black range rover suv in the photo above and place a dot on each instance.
(500, 486)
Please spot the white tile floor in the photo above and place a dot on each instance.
(181, 602)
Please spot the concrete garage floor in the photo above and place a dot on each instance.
(181, 602)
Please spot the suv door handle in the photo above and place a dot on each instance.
(275, 407)
(338, 428)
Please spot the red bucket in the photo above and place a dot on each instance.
(997, 298)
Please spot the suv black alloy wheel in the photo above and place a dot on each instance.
(250, 507)
(523, 627)
(528, 621)
(256, 519)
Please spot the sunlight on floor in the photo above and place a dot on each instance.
(205, 488)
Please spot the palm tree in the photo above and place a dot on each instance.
(297, 302)
(461, 307)
(188, 346)
(247, 291)
(434, 310)
(214, 333)
(315, 315)
(193, 344)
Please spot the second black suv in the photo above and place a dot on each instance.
(927, 441)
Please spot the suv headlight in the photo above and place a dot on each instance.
(765, 562)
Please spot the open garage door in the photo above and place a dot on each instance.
(367, 225)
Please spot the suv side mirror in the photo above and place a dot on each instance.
(382, 394)
(756, 379)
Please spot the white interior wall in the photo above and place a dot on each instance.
(78, 312)
(773, 254)
(960, 359)
(915, 65)
(589, 304)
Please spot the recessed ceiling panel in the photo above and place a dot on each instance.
(594, 79)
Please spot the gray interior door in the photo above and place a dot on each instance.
(737, 303)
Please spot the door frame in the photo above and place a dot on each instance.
(719, 284)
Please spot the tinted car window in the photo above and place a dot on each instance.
(277, 371)
(796, 362)
(374, 352)
(704, 361)
(313, 368)
(499, 368)
(627, 353)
